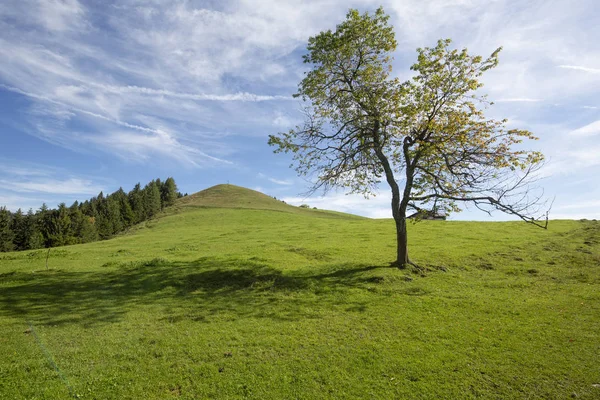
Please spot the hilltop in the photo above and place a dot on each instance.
(232, 196)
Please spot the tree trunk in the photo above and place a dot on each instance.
(398, 204)
(401, 242)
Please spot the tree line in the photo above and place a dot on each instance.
(98, 218)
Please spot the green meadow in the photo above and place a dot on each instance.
(231, 294)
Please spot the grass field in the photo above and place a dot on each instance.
(267, 301)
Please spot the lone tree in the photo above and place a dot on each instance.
(426, 136)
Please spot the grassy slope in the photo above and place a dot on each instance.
(231, 196)
(251, 303)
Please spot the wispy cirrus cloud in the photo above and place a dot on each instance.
(281, 181)
(517, 100)
(52, 15)
(53, 71)
(591, 129)
(284, 182)
(54, 186)
(581, 68)
(28, 185)
(239, 96)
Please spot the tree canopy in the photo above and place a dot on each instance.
(427, 137)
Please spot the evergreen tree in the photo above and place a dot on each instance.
(113, 215)
(102, 222)
(136, 200)
(59, 233)
(6, 233)
(45, 223)
(35, 239)
(89, 207)
(127, 216)
(151, 199)
(168, 192)
(18, 227)
(83, 229)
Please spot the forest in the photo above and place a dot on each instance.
(98, 218)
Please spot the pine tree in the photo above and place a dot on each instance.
(113, 215)
(18, 227)
(83, 229)
(136, 200)
(35, 239)
(151, 199)
(168, 192)
(102, 222)
(59, 232)
(87, 231)
(44, 224)
(6, 233)
(127, 215)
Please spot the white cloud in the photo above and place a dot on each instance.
(373, 207)
(13, 203)
(284, 121)
(591, 129)
(65, 186)
(22, 177)
(587, 157)
(54, 71)
(142, 147)
(591, 204)
(53, 15)
(281, 182)
(239, 96)
(284, 182)
(60, 15)
(580, 68)
(517, 100)
(125, 143)
(26, 185)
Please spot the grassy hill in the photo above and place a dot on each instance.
(232, 294)
(232, 196)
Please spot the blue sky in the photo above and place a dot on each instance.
(95, 95)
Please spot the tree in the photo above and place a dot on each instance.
(136, 199)
(427, 137)
(108, 217)
(83, 229)
(19, 229)
(168, 192)
(6, 233)
(35, 239)
(58, 225)
(44, 225)
(127, 215)
(151, 196)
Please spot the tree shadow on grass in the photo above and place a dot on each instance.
(173, 291)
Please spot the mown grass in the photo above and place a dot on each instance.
(245, 303)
